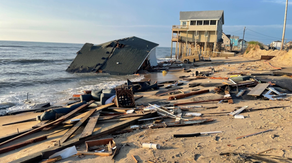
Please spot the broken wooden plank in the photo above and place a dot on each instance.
(59, 120)
(19, 145)
(245, 136)
(76, 126)
(195, 102)
(7, 137)
(95, 153)
(238, 111)
(22, 121)
(89, 127)
(259, 89)
(70, 116)
(188, 94)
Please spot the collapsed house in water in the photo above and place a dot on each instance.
(118, 57)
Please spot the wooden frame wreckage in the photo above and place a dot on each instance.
(118, 57)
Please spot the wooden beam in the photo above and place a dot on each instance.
(89, 127)
(188, 94)
(76, 126)
(195, 102)
(22, 121)
(19, 145)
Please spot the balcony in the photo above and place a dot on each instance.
(180, 27)
(175, 38)
(176, 28)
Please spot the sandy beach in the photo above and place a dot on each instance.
(262, 115)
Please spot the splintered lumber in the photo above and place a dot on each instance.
(59, 120)
(259, 89)
(26, 120)
(245, 136)
(188, 94)
(89, 127)
(195, 102)
(95, 153)
(238, 111)
(97, 109)
(76, 126)
(44, 154)
(19, 145)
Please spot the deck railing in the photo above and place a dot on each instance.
(180, 26)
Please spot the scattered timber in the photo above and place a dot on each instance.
(44, 154)
(58, 121)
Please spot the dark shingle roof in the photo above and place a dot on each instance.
(123, 56)
(216, 15)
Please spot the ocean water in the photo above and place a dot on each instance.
(37, 69)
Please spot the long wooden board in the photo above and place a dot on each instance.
(19, 145)
(259, 89)
(89, 127)
(76, 126)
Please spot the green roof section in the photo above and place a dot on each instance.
(118, 57)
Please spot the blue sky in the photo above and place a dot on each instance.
(98, 21)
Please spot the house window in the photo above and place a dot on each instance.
(184, 23)
(193, 22)
(199, 22)
(206, 22)
(213, 22)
